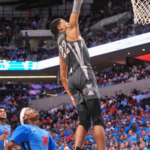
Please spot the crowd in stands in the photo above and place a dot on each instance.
(13, 103)
(126, 118)
(19, 53)
(121, 74)
(6, 32)
(128, 29)
(47, 52)
(27, 86)
(38, 90)
(12, 25)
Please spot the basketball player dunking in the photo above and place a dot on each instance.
(81, 85)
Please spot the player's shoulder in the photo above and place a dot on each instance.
(44, 131)
(7, 125)
(23, 127)
(61, 36)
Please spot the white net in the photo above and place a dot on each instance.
(141, 9)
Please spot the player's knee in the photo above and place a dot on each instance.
(86, 124)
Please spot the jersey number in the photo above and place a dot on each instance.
(45, 139)
(63, 49)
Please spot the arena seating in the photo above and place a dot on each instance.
(12, 26)
(126, 118)
(19, 53)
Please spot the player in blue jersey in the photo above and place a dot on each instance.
(28, 135)
(4, 129)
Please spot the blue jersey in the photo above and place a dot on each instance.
(148, 131)
(139, 133)
(4, 129)
(131, 139)
(31, 137)
(146, 138)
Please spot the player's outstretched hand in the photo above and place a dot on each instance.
(74, 104)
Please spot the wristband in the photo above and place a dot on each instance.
(77, 6)
(72, 98)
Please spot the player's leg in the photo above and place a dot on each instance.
(83, 126)
(98, 132)
(80, 137)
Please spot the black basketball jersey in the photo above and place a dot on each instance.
(75, 54)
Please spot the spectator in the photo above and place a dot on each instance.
(48, 48)
(148, 67)
(19, 82)
(13, 109)
(54, 109)
(19, 88)
(53, 86)
(66, 148)
(133, 78)
(25, 97)
(9, 82)
(131, 137)
(105, 83)
(134, 69)
(134, 146)
(39, 57)
(116, 77)
(110, 83)
(19, 97)
(21, 59)
(144, 136)
(30, 87)
(142, 146)
(121, 95)
(124, 102)
(109, 4)
(127, 146)
(45, 56)
(3, 87)
(27, 37)
(34, 25)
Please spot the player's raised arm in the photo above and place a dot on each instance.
(63, 77)
(72, 33)
(75, 13)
